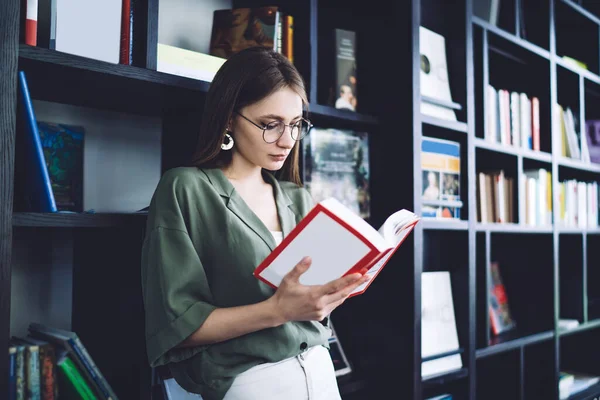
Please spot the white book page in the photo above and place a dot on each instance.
(333, 249)
(356, 222)
(393, 229)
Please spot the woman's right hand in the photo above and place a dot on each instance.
(294, 301)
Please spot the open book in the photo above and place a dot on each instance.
(339, 243)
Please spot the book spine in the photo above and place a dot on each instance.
(75, 380)
(31, 21)
(32, 371)
(47, 373)
(20, 372)
(42, 178)
(124, 53)
(93, 369)
(12, 373)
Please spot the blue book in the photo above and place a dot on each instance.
(12, 373)
(38, 187)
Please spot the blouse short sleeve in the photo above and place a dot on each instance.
(177, 297)
(175, 293)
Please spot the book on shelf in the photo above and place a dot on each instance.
(513, 118)
(578, 204)
(345, 70)
(195, 44)
(573, 382)
(51, 160)
(501, 319)
(592, 142)
(495, 197)
(69, 343)
(440, 166)
(339, 243)
(571, 143)
(438, 324)
(537, 188)
(336, 164)
(434, 80)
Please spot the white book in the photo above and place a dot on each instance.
(491, 132)
(89, 28)
(339, 242)
(438, 324)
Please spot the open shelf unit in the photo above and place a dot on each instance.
(550, 270)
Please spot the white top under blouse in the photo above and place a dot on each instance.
(278, 236)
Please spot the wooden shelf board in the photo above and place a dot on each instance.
(577, 164)
(102, 67)
(580, 328)
(513, 343)
(581, 10)
(76, 220)
(501, 148)
(511, 38)
(444, 224)
(443, 378)
(590, 393)
(446, 124)
(512, 228)
(332, 112)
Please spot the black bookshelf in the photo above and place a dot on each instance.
(523, 52)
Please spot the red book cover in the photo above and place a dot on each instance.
(31, 18)
(500, 316)
(339, 243)
(126, 17)
(535, 123)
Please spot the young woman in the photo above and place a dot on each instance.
(223, 333)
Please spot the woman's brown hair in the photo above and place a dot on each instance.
(245, 78)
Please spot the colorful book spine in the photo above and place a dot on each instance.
(74, 383)
(12, 373)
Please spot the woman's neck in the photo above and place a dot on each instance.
(244, 177)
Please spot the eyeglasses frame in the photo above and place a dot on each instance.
(264, 128)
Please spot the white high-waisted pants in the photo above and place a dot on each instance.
(308, 376)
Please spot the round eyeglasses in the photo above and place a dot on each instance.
(274, 130)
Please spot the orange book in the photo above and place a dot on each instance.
(339, 243)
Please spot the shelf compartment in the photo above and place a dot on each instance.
(539, 366)
(571, 277)
(593, 277)
(508, 366)
(518, 72)
(576, 35)
(534, 22)
(455, 383)
(522, 265)
(448, 251)
(579, 354)
(489, 165)
(76, 220)
(369, 25)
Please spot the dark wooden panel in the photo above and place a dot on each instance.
(9, 38)
(60, 220)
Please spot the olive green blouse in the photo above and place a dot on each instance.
(201, 247)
